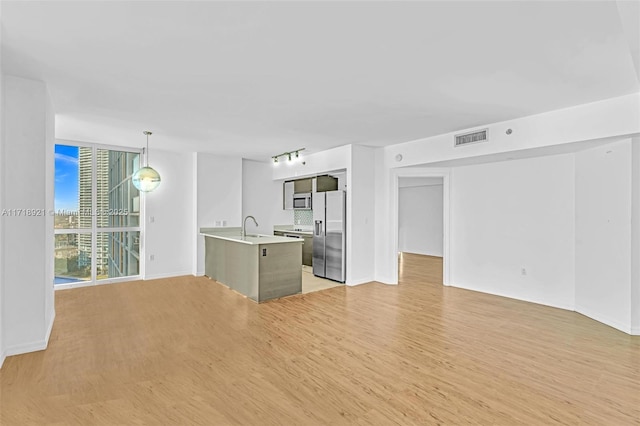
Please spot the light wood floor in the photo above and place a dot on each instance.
(189, 351)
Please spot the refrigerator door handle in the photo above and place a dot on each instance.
(318, 228)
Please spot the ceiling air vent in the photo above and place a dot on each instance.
(474, 137)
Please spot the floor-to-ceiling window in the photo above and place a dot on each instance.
(97, 215)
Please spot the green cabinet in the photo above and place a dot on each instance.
(322, 183)
(307, 251)
(307, 246)
(326, 183)
(302, 186)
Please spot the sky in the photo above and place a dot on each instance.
(66, 179)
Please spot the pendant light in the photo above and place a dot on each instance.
(146, 179)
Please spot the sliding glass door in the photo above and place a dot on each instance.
(97, 215)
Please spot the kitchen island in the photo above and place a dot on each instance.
(261, 267)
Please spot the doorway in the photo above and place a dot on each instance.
(420, 220)
(420, 224)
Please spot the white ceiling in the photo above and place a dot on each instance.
(257, 79)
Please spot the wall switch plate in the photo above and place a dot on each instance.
(264, 251)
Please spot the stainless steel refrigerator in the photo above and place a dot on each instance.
(329, 235)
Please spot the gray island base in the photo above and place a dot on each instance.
(261, 267)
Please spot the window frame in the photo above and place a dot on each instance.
(95, 229)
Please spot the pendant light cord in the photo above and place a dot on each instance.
(146, 132)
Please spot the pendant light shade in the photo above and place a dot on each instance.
(146, 179)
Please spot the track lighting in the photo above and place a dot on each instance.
(288, 155)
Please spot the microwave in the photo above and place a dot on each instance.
(302, 201)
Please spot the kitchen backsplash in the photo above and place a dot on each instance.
(303, 217)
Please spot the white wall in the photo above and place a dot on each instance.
(2, 352)
(27, 261)
(608, 118)
(262, 198)
(635, 236)
(217, 197)
(512, 215)
(49, 238)
(169, 212)
(386, 256)
(361, 225)
(603, 233)
(605, 119)
(420, 221)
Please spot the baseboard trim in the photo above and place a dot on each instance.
(635, 331)
(167, 275)
(3, 355)
(386, 280)
(605, 320)
(50, 327)
(25, 348)
(359, 281)
(566, 307)
(38, 345)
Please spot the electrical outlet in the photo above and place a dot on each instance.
(152, 219)
(152, 257)
(523, 272)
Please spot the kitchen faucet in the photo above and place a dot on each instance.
(244, 225)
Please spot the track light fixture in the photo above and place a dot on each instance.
(288, 155)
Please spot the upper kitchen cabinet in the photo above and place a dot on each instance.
(287, 195)
(326, 183)
(302, 186)
(322, 183)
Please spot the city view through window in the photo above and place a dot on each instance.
(97, 214)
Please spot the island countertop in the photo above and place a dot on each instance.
(234, 234)
(259, 267)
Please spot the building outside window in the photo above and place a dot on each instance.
(97, 215)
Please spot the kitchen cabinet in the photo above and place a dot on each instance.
(307, 247)
(307, 251)
(287, 195)
(322, 183)
(302, 186)
(326, 183)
